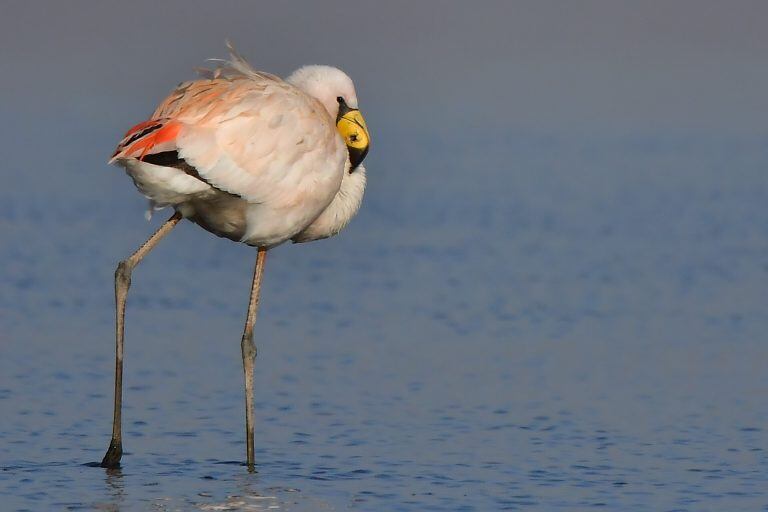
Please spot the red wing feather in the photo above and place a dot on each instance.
(148, 137)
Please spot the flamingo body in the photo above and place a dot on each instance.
(249, 156)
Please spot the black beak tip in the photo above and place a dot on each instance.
(356, 157)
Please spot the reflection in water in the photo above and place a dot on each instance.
(244, 502)
(115, 487)
(113, 490)
(249, 495)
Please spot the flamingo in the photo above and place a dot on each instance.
(250, 157)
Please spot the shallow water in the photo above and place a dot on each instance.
(581, 328)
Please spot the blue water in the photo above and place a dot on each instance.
(528, 322)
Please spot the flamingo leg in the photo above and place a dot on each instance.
(249, 354)
(122, 283)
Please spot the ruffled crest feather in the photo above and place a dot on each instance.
(234, 67)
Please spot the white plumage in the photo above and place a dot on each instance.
(272, 144)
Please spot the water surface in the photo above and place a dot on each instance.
(581, 326)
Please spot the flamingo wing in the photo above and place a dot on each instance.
(244, 132)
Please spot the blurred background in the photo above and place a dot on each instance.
(554, 295)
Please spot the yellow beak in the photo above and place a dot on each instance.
(353, 130)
